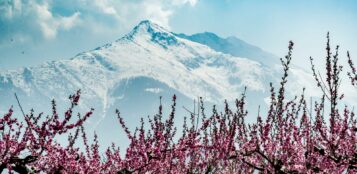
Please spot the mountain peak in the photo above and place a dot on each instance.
(147, 27)
(145, 23)
(152, 31)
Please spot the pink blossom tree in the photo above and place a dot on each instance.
(29, 148)
(289, 138)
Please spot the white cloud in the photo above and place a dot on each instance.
(9, 12)
(130, 12)
(45, 19)
(32, 18)
(105, 6)
(180, 2)
(50, 24)
(158, 15)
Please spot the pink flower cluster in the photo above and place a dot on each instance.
(32, 147)
(290, 138)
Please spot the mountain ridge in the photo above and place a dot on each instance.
(233, 46)
(132, 72)
(149, 50)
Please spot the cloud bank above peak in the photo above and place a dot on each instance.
(24, 21)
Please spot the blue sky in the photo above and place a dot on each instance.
(32, 32)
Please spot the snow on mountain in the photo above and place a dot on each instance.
(233, 46)
(132, 72)
(149, 51)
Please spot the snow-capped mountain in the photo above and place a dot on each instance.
(133, 71)
(148, 51)
(233, 46)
